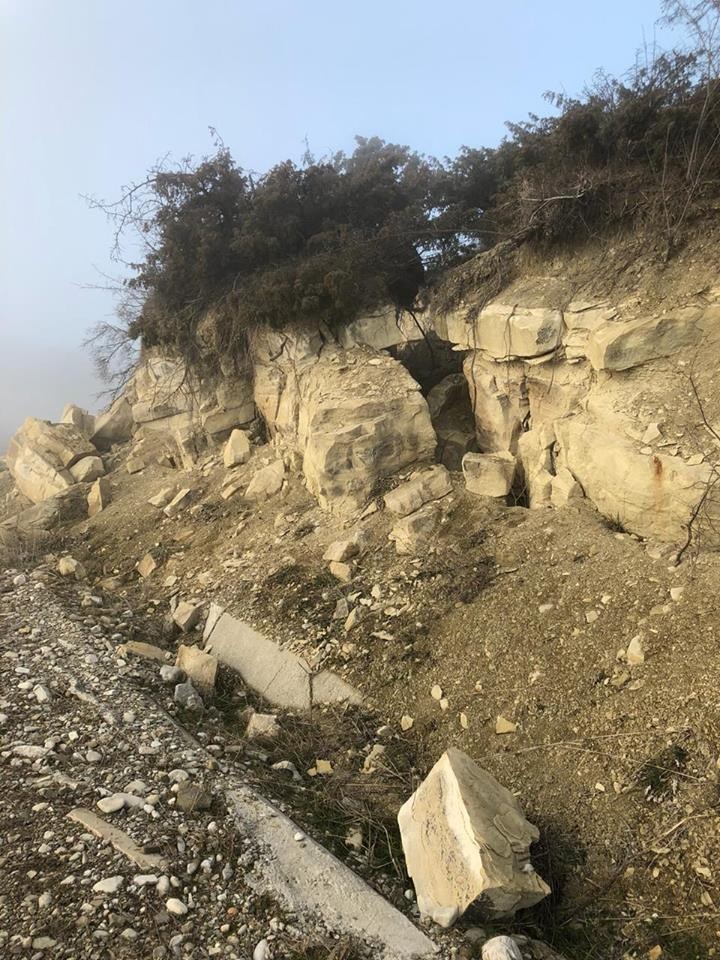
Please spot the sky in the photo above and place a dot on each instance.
(93, 92)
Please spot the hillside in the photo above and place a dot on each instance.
(490, 527)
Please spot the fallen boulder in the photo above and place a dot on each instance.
(414, 533)
(266, 482)
(237, 449)
(40, 457)
(489, 474)
(465, 838)
(115, 425)
(87, 469)
(199, 667)
(421, 488)
(83, 421)
(99, 496)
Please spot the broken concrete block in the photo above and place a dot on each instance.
(489, 474)
(99, 496)
(146, 565)
(178, 502)
(262, 725)
(186, 615)
(199, 667)
(465, 838)
(422, 487)
(237, 450)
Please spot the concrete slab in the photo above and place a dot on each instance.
(276, 674)
(117, 838)
(312, 882)
(280, 676)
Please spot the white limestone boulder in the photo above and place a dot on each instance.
(651, 494)
(115, 425)
(362, 419)
(489, 474)
(416, 533)
(422, 487)
(237, 450)
(83, 421)
(99, 496)
(40, 457)
(620, 346)
(466, 839)
(87, 469)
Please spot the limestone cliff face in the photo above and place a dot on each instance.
(571, 397)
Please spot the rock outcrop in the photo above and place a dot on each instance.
(465, 839)
(354, 416)
(42, 455)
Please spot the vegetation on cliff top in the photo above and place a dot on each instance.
(329, 238)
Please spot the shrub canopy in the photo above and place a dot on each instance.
(327, 239)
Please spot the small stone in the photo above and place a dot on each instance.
(92, 756)
(261, 951)
(192, 797)
(676, 592)
(145, 880)
(176, 907)
(187, 696)
(186, 615)
(341, 571)
(436, 692)
(43, 943)
(635, 654)
(112, 803)
(109, 884)
(323, 767)
(70, 567)
(503, 725)
(406, 722)
(262, 725)
(171, 674)
(146, 565)
(41, 693)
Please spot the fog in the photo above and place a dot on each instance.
(38, 379)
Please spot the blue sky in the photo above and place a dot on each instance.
(94, 91)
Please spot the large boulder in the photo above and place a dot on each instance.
(383, 329)
(620, 346)
(79, 418)
(115, 425)
(361, 420)
(489, 474)
(503, 330)
(465, 838)
(651, 494)
(40, 457)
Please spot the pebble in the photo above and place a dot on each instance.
(109, 884)
(261, 950)
(176, 907)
